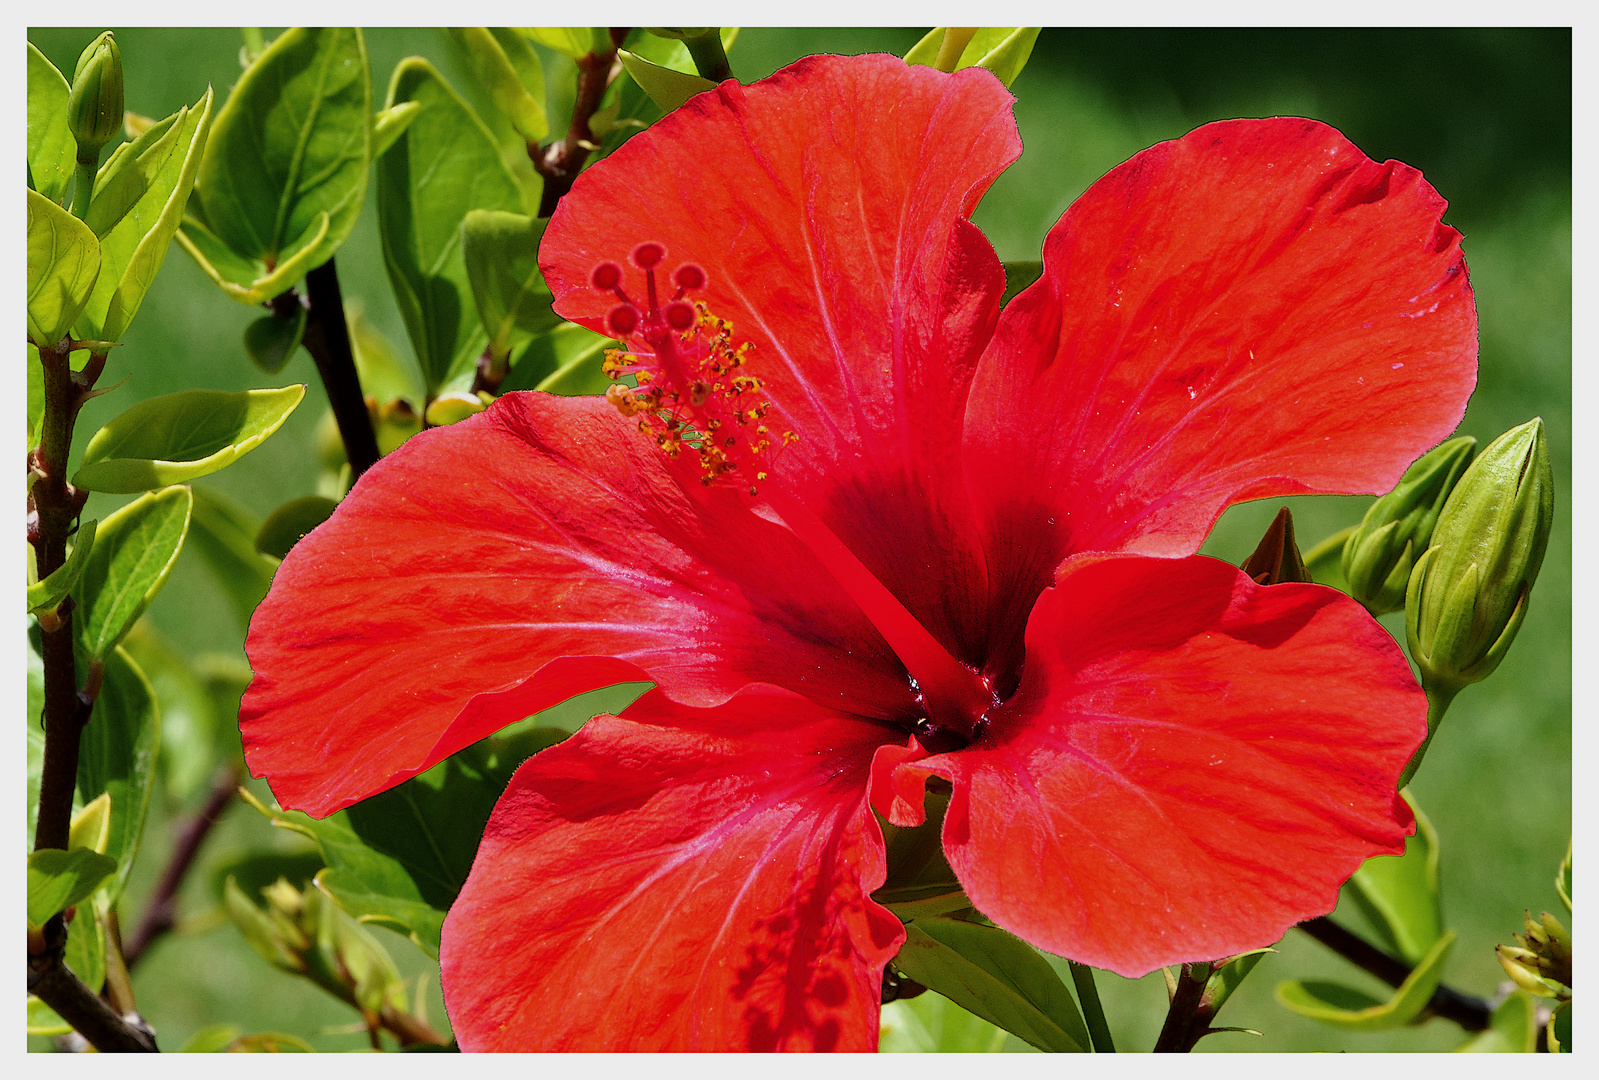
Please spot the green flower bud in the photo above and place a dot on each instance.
(1522, 967)
(1468, 594)
(1381, 552)
(94, 111)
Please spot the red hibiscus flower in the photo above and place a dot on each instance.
(874, 531)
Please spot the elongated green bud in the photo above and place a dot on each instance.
(1468, 594)
(1380, 554)
(94, 111)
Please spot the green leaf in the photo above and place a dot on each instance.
(1018, 276)
(224, 533)
(190, 743)
(933, 1024)
(138, 212)
(292, 144)
(1225, 979)
(389, 124)
(452, 408)
(59, 879)
(1325, 561)
(35, 724)
(445, 165)
(667, 88)
(1560, 1029)
(35, 394)
(493, 68)
(371, 886)
(1512, 1029)
(210, 1040)
(996, 975)
(134, 550)
(288, 524)
(270, 1042)
(178, 437)
(1563, 878)
(1399, 893)
(85, 953)
(51, 149)
(574, 41)
(48, 593)
(118, 756)
(1353, 1010)
(63, 264)
(1005, 57)
(501, 253)
(271, 342)
(567, 360)
(385, 373)
(42, 1019)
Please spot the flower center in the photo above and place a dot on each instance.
(691, 392)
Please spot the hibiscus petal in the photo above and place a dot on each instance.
(411, 623)
(679, 880)
(1193, 763)
(828, 207)
(1254, 309)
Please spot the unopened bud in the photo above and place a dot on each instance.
(1522, 967)
(1380, 554)
(1468, 593)
(94, 111)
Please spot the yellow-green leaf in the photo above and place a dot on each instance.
(667, 88)
(48, 593)
(1512, 1029)
(63, 264)
(1353, 1010)
(504, 84)
(59, 879)
(1399, 893)
(134, 550)
(118, 757)
(501, 254)
(574, 41)
(51, 149)
(178, 437)
(389, 124)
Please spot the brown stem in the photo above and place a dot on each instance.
(162, 914)
(410, 1030)
(327, 339)
(1185, 1024)
(1469, 1012)
(561, 161)
(51, 981)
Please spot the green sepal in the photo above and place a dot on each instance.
(134, 549)
(51, 148)
(1512, 1028)
(271, 341)
(285, 171)
(667, 88)
(506, 88)
(48, 593)
(1003, 50)
(1018, 276)
(179, 437)
(95, 106)
(1353, 1010)
(59, 879)
(289, 523)
(997, 976)
(63, 265)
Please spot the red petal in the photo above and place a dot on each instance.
(1193, 764)
(475, 554)
(1254, 309)
(679, 880)
(827, 206)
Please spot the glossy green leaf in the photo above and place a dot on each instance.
(1225, 979)
(136, 211)
(997, 976)
(179, 437)
(271, 342)
(506, 89)
(42, 1019)
(252, 281)
(118, 756)
(189, 722)
(223, 532)
(389, 124)
(85, 953)
(63, 264)
(134, 549)
(59, 879)
(210, 1040)
(369, 885)
(35, 724)
(627, 108)
(1399, 893)
(51, 148)
(1353, 1010)
(288, 524)
(1512, 1029)
(667, 88)
(48, 593)
(292, 144)
(1018, 276)
(35, 394)
(933, 1024)
(574, 41)
(1559, 1032)
(501, 252)
(567, 360)
(385, 373)
(445, 165)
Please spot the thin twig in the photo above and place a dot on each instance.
(1177, 1034)
(327, 339)
(1469, 1012)
(162, 913)
(51, 981)
(561, 161)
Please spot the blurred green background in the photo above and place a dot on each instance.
(1485, 114)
